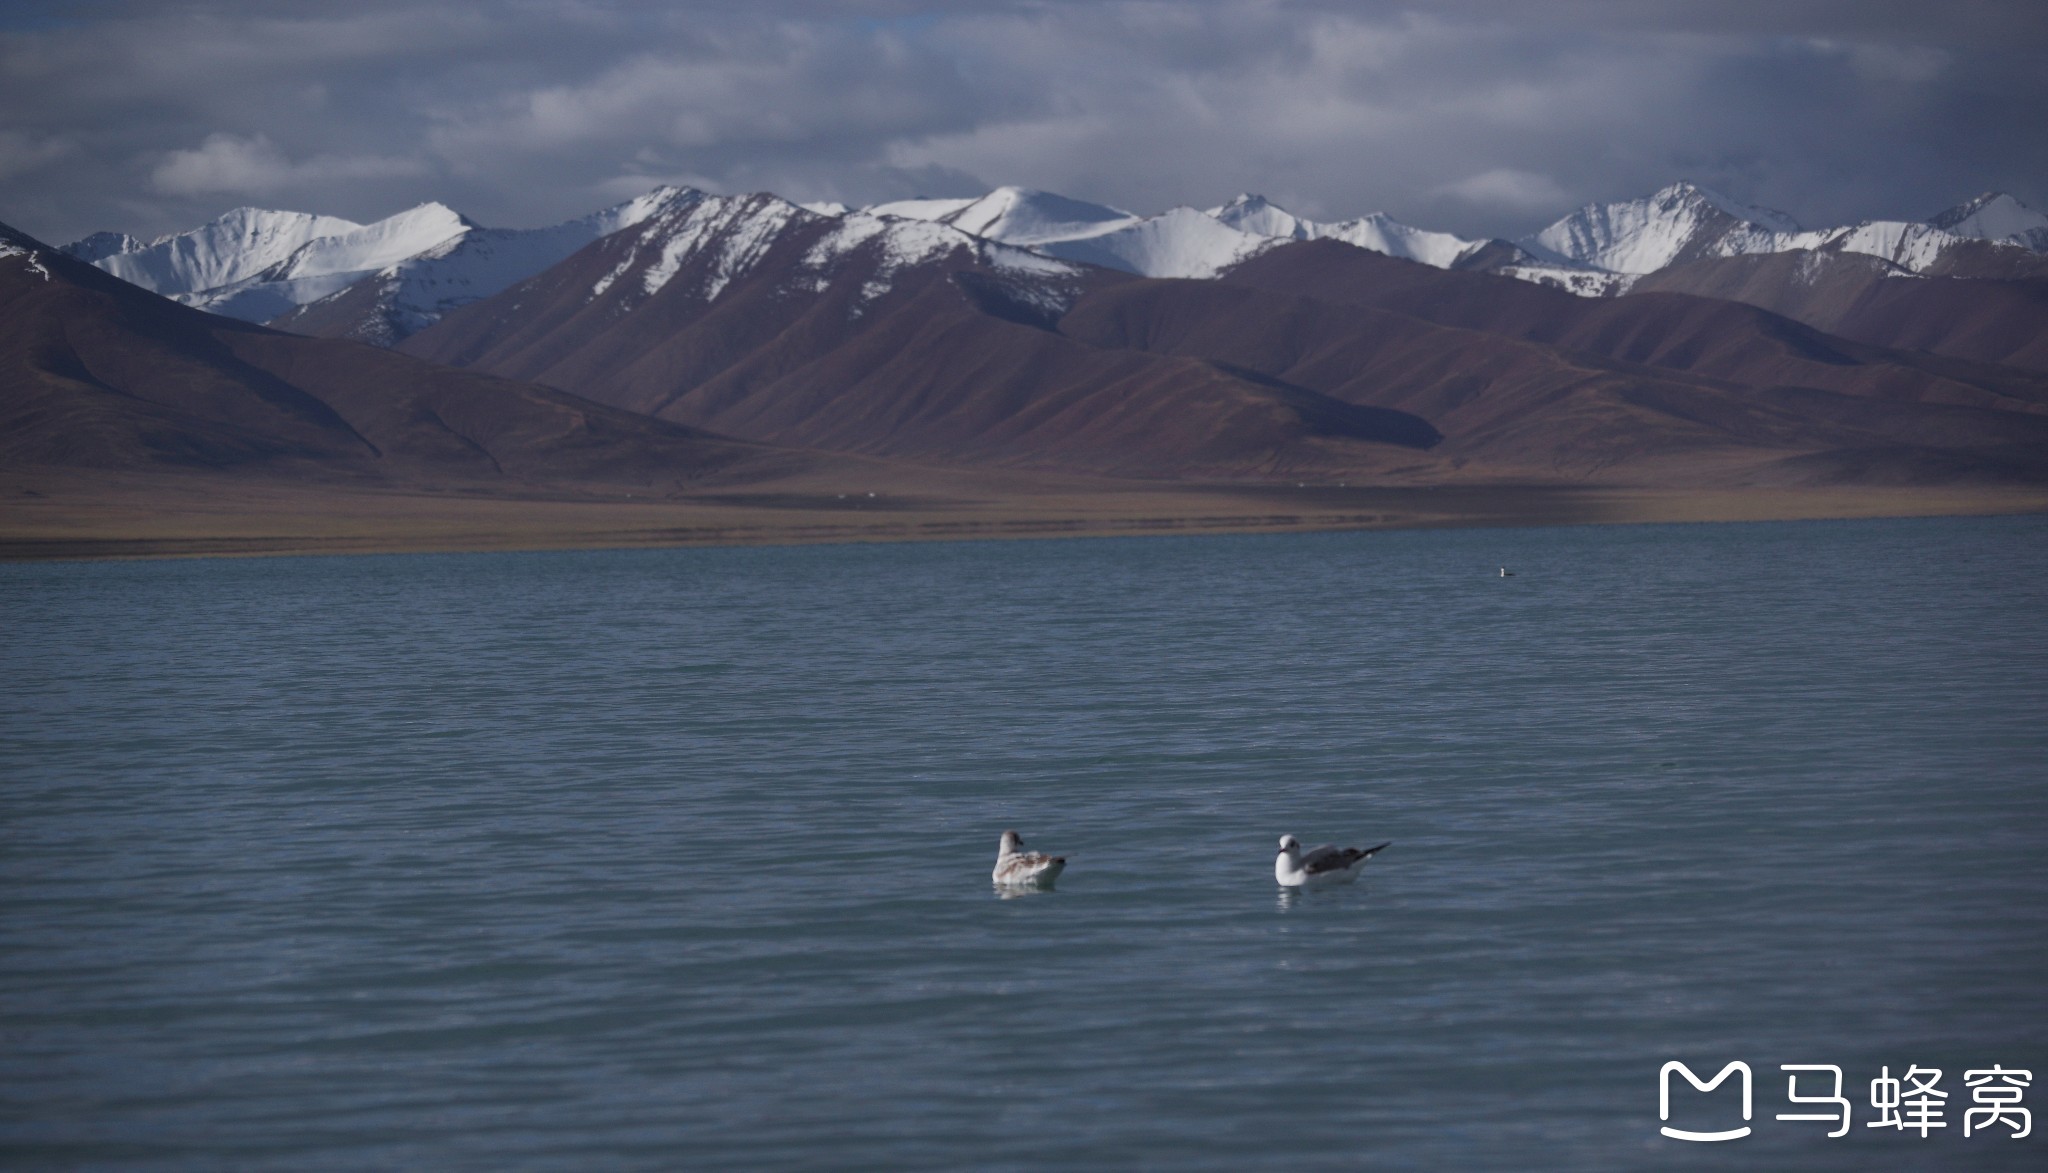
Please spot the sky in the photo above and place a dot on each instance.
(1484, 117)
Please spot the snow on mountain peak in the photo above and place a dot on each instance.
(330, 263)
(920, 208)
(637, 210)
(232, 247)
(1015, 215)
(1996, 216)
(373, 246)
(1180, 242)
(731, 236)
(101, 245)
(1257, 214)
(1685, 191)
(1678, 223)
(895, 244)
(417, 291)
(733, 232)
(258, 264)
(1378, 232)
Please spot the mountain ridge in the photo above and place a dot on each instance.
(947, 358)
(383, 281)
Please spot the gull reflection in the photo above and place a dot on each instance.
(1019, 891)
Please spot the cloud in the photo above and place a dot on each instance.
(1479, 116)
(21, 153)
(1505, 187)
(226, 164)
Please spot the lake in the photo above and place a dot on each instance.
(679, 859)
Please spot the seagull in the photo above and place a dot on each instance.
(1506, 573)
(1016, 867)
(1319, 866)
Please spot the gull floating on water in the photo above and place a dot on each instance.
(1016, 867)
(1314, 868)
(1506, 573)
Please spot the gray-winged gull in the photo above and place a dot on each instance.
(1314, 868)
(1016, 866)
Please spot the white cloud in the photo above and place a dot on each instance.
(1509, 189)
(234, 165)
(22, 153)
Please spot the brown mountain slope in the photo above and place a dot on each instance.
(889, 338)
(1870, 300)
(942, 378)
(1507, 401)
(96, 373)
(1699, 335)
(1722, 340)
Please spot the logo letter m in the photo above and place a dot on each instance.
(1664, 1099)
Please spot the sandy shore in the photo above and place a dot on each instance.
(75, 516)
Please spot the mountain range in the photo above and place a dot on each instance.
(389, 279)
(684, 338)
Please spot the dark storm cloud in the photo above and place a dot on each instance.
(1476, 115)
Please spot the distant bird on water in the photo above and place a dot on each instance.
(1506, 573)
(1016, 867)
(1319, 866)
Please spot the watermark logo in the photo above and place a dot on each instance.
(1664, 1099)
(1910, 1102)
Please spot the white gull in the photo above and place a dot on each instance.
(1016, 867)
(1319, 866)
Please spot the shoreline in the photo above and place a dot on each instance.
(80, 520)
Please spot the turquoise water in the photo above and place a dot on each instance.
(679, 859)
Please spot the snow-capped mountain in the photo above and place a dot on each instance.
(700, 311)
(264, 266)
(384, 281)
(103, 244)
(760, 260)
(1680, 223)
(1178, 243)
(721, 240)
(1181, 242)
(230, 249)
(329, 264)
(1015, 215)
(1999, 217)
(255, 264)
(1685, 222)
(1378, 232)
(402, 298)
